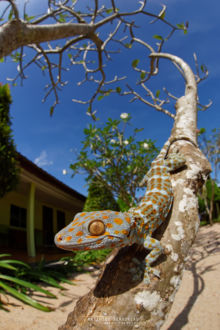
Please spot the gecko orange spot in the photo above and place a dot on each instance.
(106, 233)
(128, 219)
(68, 238)
(79, 240)
(124, 231)
(116, 232)
(70, 229)
(99, 241)
(105, 217)
(119, 221)
(109, 225)
(79, 233)
(79, 224)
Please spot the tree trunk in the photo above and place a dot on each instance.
(117, 302)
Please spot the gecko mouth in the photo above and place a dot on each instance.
(92, 245)
(73, 247)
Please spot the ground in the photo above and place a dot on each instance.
(196, 305)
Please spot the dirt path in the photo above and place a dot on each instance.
(196, 306)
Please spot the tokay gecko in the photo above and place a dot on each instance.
(109, 229)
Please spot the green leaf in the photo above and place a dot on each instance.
(202, 130)
(135, 63)
(100, 97)
(47, 279)
(157, 93)
(10, 15)
(202, 67)
(128, 45)
(5, 255)
(158, 37)
(183, 27)
(143, 75)
(28, 18)
(163, 15)
(7, 266)
(52, 110)
(13, 261)
(23, 297)
(27, 284)
(118, 89)
(2, 60)
(62, 18)
(109, 11)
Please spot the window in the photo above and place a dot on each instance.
(60, 220)
(18, 216)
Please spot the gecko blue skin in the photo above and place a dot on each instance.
(109, 229)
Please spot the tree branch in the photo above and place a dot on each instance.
(17, 33)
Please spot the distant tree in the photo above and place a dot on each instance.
(8, 164)
(99, 198)
(210, 145)
(209, 201)
(117, 162)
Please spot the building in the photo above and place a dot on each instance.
(39, 207)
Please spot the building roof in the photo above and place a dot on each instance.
(29, 166)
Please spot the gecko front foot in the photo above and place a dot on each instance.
(149, 270)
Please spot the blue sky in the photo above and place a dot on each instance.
(52, 142)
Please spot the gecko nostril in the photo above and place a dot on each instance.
(59, 238)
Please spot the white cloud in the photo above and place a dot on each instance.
(43, 160)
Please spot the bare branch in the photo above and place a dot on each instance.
(154, 105)
(204, 70)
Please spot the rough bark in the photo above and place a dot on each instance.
(119, 301)
(17, 33)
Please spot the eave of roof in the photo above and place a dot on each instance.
(29, 166)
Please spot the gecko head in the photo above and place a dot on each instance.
(95, 230)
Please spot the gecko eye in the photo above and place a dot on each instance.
(96, 227)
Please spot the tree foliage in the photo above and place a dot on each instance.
(99, 198)
(8, 164)
(209, 201)
(209, 196)
(114, 160)
(210, 145)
